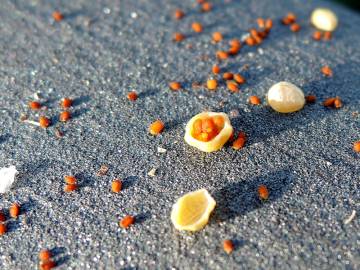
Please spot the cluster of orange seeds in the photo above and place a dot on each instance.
(257, 36)
(240, 141)
(64, 116)
(46, 262)
(70, 183)
(207, 128)
(333, 102)
(126, 222)
(318, 35)
(290, 19)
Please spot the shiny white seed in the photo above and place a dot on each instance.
(285, 97)
(324, 19)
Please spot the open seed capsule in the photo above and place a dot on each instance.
(208, 131)
(285, 97)
(191, 212)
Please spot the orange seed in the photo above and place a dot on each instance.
(239, 79)
(326, 70)
(3, 228)
(222, 55)
(66, 102)
(295, 27)
(317, 35)
(14, 210)
(65, 116)
(329, 102)
(206, 7)
(132, 96)
(327, 35)
(197, 27)
(116, 185)
(356, 146)
(254, 100)
(263, 192)
(70, 188)
(228, 246)
(260, 22)
(179, 14)
(126, 222)
(156, 127)
(217, 36)
(69, 179)
(175, 86)
(310, 99)
(211, 84)
(240, 141)
(44, 122)
(44, 255)
(216, 69)
(338, 103)
(57, 16)
(228, 76)
(268, 24)
(48, 265)
(232, 86)
(34, 105)
(177, 37)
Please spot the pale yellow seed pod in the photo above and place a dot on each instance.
(191, 212)
(217, 142)
(324, 19)
(285, 97)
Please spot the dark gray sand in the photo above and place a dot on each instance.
(102, 50)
